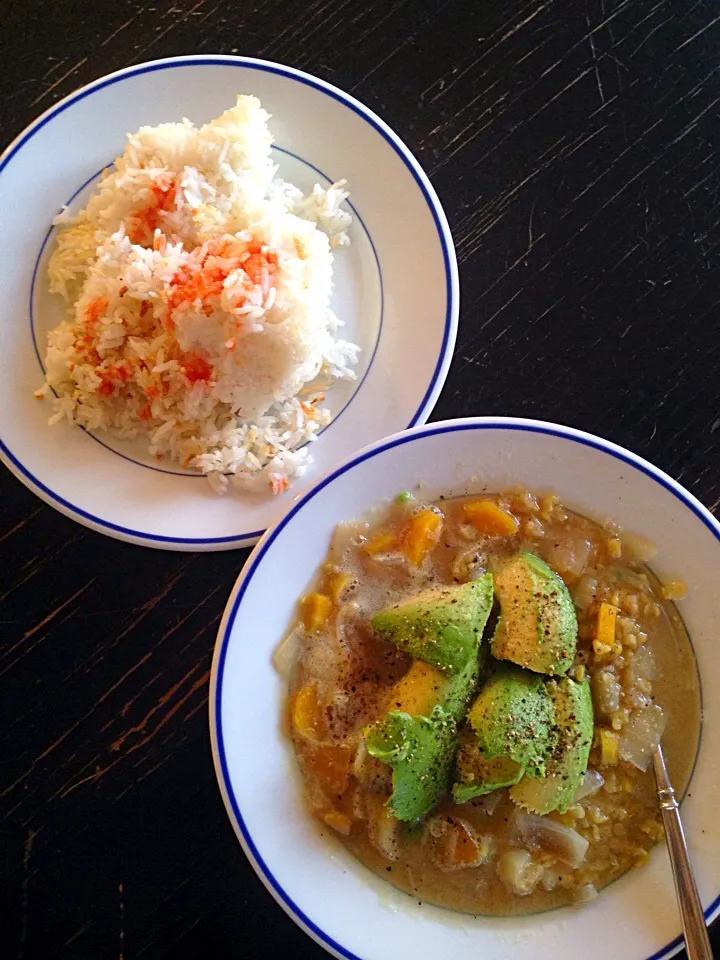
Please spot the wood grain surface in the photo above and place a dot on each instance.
(575, 146)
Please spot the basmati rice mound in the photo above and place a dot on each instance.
(198, 290)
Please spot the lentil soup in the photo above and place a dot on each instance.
(507, 849)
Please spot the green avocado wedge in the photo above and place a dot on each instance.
(475, 775)
(537, 628)
(567, 766)
(513, 716)
(420, 751)
(442, 625)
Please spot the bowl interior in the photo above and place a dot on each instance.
(334, 898)
(321, 135)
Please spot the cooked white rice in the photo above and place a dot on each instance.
(198, 289)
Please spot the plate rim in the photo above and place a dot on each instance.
(251, 565)
(452, 293)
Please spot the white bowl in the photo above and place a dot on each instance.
(332, 897)
(395, 289)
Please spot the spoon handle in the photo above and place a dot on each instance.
(691, 911)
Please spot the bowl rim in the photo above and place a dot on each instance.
(253, 562)
(413, 167)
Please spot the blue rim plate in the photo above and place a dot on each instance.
(406, 325)
(452, 457)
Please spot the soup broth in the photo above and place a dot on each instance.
(489, 855)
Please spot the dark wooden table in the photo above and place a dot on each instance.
(576, 148)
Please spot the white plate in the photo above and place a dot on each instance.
(330, 895)
(395, 289)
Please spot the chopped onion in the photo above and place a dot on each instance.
(606, 693)
(346, 532)
(643, 666)
(286, 652)
(489, 802)
(641, 735)
(371, 772)
(584, 592)
(550, 836)
(637, 547)
(383, 830)
(469, 565)
(592, 781)
(570, 556)
(585, 893)
(518, 872)
(324, 659)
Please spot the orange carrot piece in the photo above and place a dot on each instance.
(487, 517)
(423, 532)
(331, 764)
(315, 609)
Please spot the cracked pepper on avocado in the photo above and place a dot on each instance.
(477, 686)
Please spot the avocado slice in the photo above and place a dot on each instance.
(420, 747)
(476, 775)
(442, 625)
(420, 751)
(537, 628)
(567, 766)
(513, 716)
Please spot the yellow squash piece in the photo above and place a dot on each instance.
(607, 617)
(337, 583)
(423, 532)
(418, 691)
(316, 609)
(380, 542)
(331, 765)
(307, 713)
(340, 822)
(487, 517)
(609, 743)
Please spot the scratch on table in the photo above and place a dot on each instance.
(586, 36)
(659, 26)
(697, 33)
(122, 27)
(490, 47)
(54, 67)
(68, 73)
(121, 891)
(593, 54)
(141, 727)
(20, 524)
(78, 933)
(99, 771)
(33, 566)
(146, 608)
(25, 887)
(170, 26)
(38, 626)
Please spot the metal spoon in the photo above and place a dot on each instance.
(691, 911)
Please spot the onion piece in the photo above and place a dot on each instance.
(550, 836)
(643, 666)
(570, 556)
(592, 781)
(585, 893)
(345, 534)
(641, 735)
(637, 547)
(286, 652)
(518, 872)
(383, 828)
(488, 802)
(606, 693)
(584, 592)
